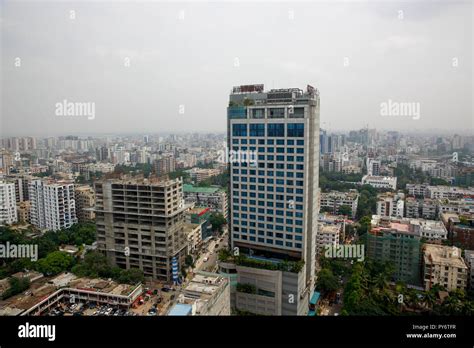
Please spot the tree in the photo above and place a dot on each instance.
(188, 261)
(327, 281)
(364, 225)
(56, 262)
(16, 286)
(217, 221)
(345, 210)
(131, 276)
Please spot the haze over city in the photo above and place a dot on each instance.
(160, 67)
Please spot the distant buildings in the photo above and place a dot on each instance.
(439, 192)
(428, 229)
(8, 210)
(141, 224)
(443, 265)
(373, 167)
(390, 204)
(334, 200)
(165, 165)
(201, 174)
(384, 182)
(53, 205)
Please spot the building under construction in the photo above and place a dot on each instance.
(140, 224)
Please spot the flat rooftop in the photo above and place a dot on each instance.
(443, 255)
(194, 189)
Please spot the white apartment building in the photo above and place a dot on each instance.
(387, 182)
(443, 265)
(53, 205)
(328, 235)
(373, 167)
(448, 192)
(334, 200)
(8, 212)
(391, 204)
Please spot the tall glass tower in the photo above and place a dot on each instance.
(273, 143)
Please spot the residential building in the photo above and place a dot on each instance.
(211, 197)
(373, 167)
(165, 165)
(412, 208)
(443, 265)
(24, 212)
(8, 210)
(391, 204)
(85, 203)
(194, 236)
(140, 224)
(394, 242)
(334, 200)
(53, 205)
(460, 228)
(274, 200)
(200, 216)
(328, 235)
(201, 174)
(384, 182)
(469, 259)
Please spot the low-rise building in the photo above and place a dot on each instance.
(212, 197)
(384, 182)
(328, 234)
(443, 265)
(205, 294)
(334, 200)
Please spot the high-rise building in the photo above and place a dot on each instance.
(53, 205)
(399, 244)
(141, 224)
(165, 165)
(274, 199)
(85, 202)
(391, 204)
(8, 212)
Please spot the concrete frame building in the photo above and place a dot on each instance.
(141, 224)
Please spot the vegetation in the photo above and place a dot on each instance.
(329, 181)
(224, 255)
(55, 263)
(246, 288)
(327, 281)
(285, 266)
(221, 180)
(96, 265)
(217, 221)
(17, 286)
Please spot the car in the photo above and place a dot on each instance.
(165, 289)
(206, 259)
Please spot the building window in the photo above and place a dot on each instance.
(239, 130)
(295, 130)
(257, 130)
(276, 130)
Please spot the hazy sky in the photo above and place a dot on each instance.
(358, 54)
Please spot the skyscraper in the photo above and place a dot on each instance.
(274, 196)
